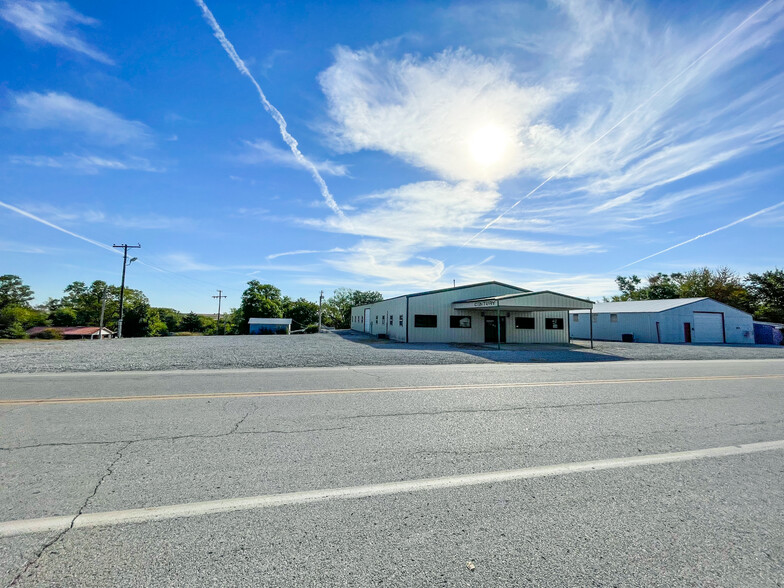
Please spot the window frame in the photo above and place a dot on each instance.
(551, 326)
(420, 318)
(519, 320)
(458, 318)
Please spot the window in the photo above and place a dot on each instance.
(525, 322)
(459, 322)
(576, 318)
(401, 320)
(376, 319)
(428, 321)
(383, 319)
(613, 318)
(553, 324)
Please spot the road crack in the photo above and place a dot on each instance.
(49, 544)
(233, 431)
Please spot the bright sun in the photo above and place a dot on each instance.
(489, 144)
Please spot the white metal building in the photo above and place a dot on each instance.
(488, 312)
(269, 326)
(681, 320)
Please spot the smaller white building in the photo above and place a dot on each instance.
(681, 320)
(269, 326)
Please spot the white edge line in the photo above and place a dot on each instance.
(194, 509)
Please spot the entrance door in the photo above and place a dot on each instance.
(491, 329)
(687, 332)
(368, 324)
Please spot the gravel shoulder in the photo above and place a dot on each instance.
(341, 348)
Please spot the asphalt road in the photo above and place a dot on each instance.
(507, 443)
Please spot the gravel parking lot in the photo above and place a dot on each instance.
(342, 348)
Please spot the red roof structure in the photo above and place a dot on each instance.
(72, 332)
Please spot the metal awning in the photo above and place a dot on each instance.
(525, 302)
(529, 301)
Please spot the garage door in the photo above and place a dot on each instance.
(708, 327)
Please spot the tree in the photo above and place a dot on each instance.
(170, 317)
(338, 307)
(14, 320)
(260, 301)
(191, 323)
(301, 311)
(662, 287)
(13, 292)
(65, 316)
(722, 284)
(628, 287)
(766, 291)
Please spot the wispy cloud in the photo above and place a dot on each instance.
(54, 23)
(616, 107)
(261, 151)
(306, 252)
(63, 112)
(702, 235)
(89, 164)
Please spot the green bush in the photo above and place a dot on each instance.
(311, 329)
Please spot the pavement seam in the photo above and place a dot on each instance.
(109, 471)
(543, 407)
(234, 431)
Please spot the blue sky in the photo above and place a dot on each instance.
(545, 144)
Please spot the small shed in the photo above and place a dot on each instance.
(269, 326)
(768, 333)
(679, 320)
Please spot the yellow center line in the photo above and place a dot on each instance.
(199, 396)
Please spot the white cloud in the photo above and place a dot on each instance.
(53, 23)
(90, 164)
(264, 152)
(437, 113)
(63, 112)
(641, 107)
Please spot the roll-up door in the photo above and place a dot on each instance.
(708, 327)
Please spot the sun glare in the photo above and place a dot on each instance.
(489, 144)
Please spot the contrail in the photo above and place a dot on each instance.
(38, 219)
(290, 141)
(732, 224)
(620, 122)
(58, 228)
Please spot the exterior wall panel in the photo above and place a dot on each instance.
(738, 325)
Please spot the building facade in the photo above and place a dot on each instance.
(269, 326)
(681, 320)
(488, 312)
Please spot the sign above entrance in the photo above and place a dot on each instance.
(476, 304)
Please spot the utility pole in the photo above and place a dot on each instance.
(126, 263)
(103, 309)
(219, 296)
(321, 298)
